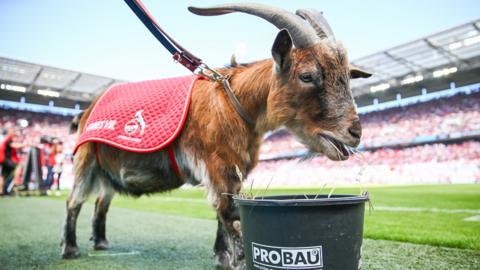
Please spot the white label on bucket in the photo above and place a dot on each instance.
(271, 257)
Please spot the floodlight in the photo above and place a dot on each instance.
(455, 45)
(15, 88)
(380, 87)
(444, 72)
(411, 79)
(48, 93)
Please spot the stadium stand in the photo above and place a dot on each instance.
(36, 125)
(428, 163)
(32, 126)
(434, 119)
(443, 161)
(459, 113)
(431, 163)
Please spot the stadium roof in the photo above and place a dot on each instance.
(438, 55)
(27, 77)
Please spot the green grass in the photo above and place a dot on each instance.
(424, 227)
(176, 230)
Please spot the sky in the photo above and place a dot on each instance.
(104, 37)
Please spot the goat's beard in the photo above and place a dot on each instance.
(326, 145)
(318, 142)
(333, 149)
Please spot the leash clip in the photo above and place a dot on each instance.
(211, 74)
(186, 60)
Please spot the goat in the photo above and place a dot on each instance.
(304, 88)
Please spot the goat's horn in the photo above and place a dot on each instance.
(317, 21)
(303, 35)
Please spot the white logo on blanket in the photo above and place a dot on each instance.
(131, 127)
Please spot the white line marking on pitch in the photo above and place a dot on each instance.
(380, 208)
(174, 199)
(419, 209)
(113, 254)
(474, 219)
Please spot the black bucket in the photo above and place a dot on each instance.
(302, 231)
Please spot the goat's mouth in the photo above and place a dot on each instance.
(335, 149)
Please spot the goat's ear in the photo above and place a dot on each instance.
(281, 51)
(356, 73)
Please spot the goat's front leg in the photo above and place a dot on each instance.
(228, 246)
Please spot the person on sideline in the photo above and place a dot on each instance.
(8, 157)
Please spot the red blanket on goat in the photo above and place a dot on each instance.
(140, 117)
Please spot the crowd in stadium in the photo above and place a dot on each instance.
(437, 117)
(421, 164)
(435, 163)
(442, 116)
(45, 137)
(34, 147)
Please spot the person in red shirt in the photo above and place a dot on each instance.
(8, 158)
(51, 151)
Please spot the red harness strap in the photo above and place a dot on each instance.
(173, 161)
(171, 156)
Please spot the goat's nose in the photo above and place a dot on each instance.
(356, 130)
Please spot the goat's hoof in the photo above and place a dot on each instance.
(241, 265)
(70, 252)
(222, 261)
(101, 245)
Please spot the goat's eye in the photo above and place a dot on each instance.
(306, 77)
